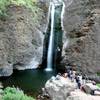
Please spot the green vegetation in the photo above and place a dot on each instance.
(31, 4)
(98, 85)
(15, 94)
(98, 73)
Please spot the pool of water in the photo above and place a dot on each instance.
(31, 81)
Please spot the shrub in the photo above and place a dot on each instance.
(98, 73)
(31, 4)
(15, 94)
(98, 85)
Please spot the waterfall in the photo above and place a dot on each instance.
(51, 40)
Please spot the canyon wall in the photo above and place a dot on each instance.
(81, 39)
(21, 38)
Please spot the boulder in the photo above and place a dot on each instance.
(79, 95)
(59, 88)
(88, 87)
(97, 93)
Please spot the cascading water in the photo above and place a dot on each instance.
(56, 7)
(51, 40)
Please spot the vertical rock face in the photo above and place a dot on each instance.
(81, 41)
(21, 39)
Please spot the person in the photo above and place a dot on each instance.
(92, 92)
(76, 78)
(78, 81)
(68, 72)
(83, 80)
(52, 78)
(71, 75)
(86, 78)
(58, 76)
(93, 82)
(65, 75)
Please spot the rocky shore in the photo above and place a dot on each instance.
(63, 88)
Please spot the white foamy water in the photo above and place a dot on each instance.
(51, 40)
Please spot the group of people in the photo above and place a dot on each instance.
(80, 79)
(74, 77)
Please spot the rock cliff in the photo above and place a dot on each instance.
(21, 38)
(81, 39)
